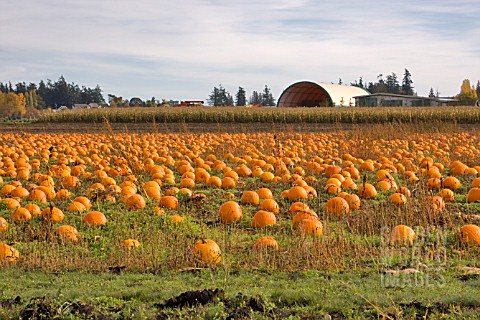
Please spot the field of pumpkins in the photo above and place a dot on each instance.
(279, 201)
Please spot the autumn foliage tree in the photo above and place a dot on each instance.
(12, 104)
(467, 91)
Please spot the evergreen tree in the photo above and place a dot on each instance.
(431, 94)
(240, 97)
(407, 83)
(220, 97)
(255, 98)
(267, 97)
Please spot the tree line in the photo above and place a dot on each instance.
(54, 94)
(221, 97)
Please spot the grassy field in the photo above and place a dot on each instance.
(353, 270)
(266, 115)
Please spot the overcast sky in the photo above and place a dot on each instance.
(181, 49)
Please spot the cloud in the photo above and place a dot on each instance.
(182, 49)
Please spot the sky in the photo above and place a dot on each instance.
(182, 49)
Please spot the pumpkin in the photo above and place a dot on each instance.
(11, 203)
(473, 195)
(267, 177)
(94, 218)
(135, 202)
(311, 227)
(70, 182)
(84, 200)
(264, 193)
(447, 195)
(67, 232)
(451, 183)
(228, 183)
(169, 202)
(230, 212)
(3, 224)
(33, 209)
(270, 205)
(214, 182)
(337, 206)
(263, 219)
(470, 234)
(20, 192)
(353, 201)
(296, 193)
(76, 206)
(301, 215)
(250, 197)
(265, 242)
(398, 198)
(402, 235)
(53, 214)
(8, 253)
(367, 191)
(130, 244)
(298, 206)
(21, 214)
(207, 251)
(176, 218)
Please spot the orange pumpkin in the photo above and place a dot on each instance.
(263, 219)
(311, 227)
(21, 214)
(130, 244)
(402, 235)
(3, 224)
(67, 232)
(94, 218)
(53, 214)
(207, 251)
(265, 243)
(230, 212)
(470, 234)
(135, 202)
(270, 205)
(296, 193)
(250, 197)
(169, 202)
(337, 206)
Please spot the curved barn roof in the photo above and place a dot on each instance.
(311, 94)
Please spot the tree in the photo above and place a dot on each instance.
(136, 102)
(267, 97)
(12, 104)
(392, 84)
(407, 83)
(240, 97)
(255, 98)
(220, 97)
(467, 92)
(478, 88)
(431, 94)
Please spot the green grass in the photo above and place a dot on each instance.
(299, 295)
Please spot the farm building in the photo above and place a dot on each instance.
(311, 94)
(398, 100)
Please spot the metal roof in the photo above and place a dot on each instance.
(311, 94)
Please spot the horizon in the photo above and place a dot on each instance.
(181, 51)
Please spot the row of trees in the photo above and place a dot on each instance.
(221, 97)
(389, 84)
(54, 94)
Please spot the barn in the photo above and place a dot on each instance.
(313, 94)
